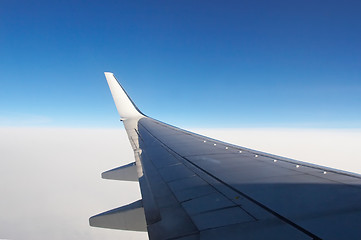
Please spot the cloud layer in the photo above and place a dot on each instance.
(50, 182)
(50, 177)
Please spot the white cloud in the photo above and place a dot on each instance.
(50, 178)
(50, 182)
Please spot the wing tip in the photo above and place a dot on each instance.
(125, 106)
(108, 74)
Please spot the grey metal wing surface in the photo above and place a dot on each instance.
(195, 187)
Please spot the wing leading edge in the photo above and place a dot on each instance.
(195, 187)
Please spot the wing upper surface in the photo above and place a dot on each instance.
(227, 189)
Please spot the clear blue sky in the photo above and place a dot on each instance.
(188, 63)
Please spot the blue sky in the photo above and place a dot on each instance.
(188, 63)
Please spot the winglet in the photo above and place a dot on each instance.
(125, 106)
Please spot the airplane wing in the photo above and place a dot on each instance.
(195, 187)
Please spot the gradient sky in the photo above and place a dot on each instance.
(188, 63)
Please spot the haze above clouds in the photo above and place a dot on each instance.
(50, 177)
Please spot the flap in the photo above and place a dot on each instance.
(124, 173)
(129, 217)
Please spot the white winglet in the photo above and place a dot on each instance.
(125, 106)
